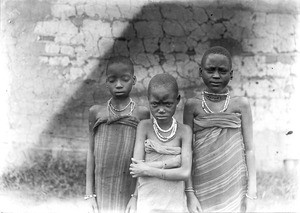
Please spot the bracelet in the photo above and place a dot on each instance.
(162, 175)
(251, 198)
(189, 189)
(89, 196)
(133, 195)
(163, 165)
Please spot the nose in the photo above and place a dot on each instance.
(161, 110)
(119, 85)
(216, 74)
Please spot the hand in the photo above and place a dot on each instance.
(131, 206)
(250, 205)
(193, 203)
(138, 168)
(92, 205)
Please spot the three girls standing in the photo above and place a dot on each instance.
(223, 176)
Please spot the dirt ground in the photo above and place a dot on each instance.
(20, 202)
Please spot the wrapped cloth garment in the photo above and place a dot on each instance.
(158, 195)
(219, 168)
(114, 139)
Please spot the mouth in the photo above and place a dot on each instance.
(119, 93)
(161, 117)
(215, 83)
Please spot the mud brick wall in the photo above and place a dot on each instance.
(56, 54)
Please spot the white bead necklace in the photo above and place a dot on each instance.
(208, 110)
(113, 110)
(172, 130)
(119, 110)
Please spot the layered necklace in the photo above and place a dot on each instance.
(158, 131)
(215, 97)
(115, 111)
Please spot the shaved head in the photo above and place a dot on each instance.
(216, 50)
(120, 59)
(163, 80)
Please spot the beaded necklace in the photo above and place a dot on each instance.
(172, 130)
(215, 97)
(113, 110)
(208, 110)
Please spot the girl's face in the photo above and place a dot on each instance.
(120, 79)
(216, 73)
(162, 103)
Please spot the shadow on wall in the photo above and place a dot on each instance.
(162, 37)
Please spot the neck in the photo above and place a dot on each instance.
(119, 101)
(165, 124)
(223, 91)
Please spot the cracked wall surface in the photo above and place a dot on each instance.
(57, 52)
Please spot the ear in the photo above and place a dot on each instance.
(178, 99)
(231, 74)
(134, 80)
(200, 71)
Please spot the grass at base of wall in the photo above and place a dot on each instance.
(45, 176)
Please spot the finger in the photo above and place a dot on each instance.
(134, 160)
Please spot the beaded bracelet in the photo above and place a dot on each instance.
(133, 195)
(251, 198)
(189, 189)
(162, 175)
(89, 196)
(163, 165)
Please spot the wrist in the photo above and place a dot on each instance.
(89, 196)
(189, 190)
(134, 196)
(251, 197)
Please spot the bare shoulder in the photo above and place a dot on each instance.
(96, 110)
(240, 102)
(184, 129)
(192, 102)
(146, 123)
(142, 112)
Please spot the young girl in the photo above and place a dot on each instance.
(161, 140)
(112, 135)
(224, 176)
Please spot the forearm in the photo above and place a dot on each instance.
(166, 164)
(169, 174)
(250, 161)
(90, 175)
(189, 183)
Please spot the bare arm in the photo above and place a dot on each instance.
(247, 131)
(90, 165)
(166, 164)
(138, 154)
(193, 203)
(188, 119)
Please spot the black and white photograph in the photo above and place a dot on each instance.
(149, 106)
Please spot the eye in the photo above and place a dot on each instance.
(111, 80)
(126, 78)
(154, 104)
(169, 104)
(210, 69)
(223, 71)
